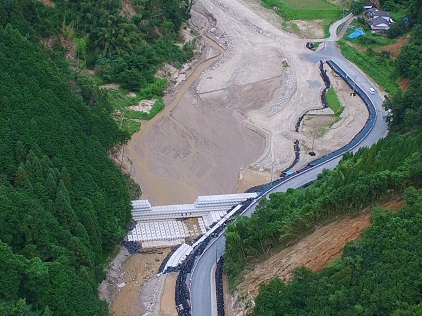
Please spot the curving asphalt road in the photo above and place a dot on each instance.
(201, 281)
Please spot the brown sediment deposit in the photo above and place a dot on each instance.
(167, 303)
(127, 275)
(395, 49)
(231, 121)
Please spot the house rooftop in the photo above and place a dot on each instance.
(381, 13)
(380, 21)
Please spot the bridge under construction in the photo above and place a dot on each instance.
(171, 225)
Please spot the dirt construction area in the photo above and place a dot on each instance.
(233, 119)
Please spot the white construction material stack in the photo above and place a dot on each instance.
(158, 231)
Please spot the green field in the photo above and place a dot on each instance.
(334, 102)
(366, 52)
(380, 68)
(303, 10)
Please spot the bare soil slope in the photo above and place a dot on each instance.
(314, 251)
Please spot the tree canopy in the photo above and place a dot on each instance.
(123, 48)
(63, 204)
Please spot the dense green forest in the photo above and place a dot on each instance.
(119, 42)
(378, 274)
(124, 48)
(63, 203)
(370, 176)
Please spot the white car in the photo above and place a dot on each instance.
(372, 91)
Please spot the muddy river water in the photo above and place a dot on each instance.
(192, 147)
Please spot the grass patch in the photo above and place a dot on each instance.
(379, 67)
(290, 27)
(303, 10)
(305, 4)
(131, 126)
(326, 27)
(316, 45)
(157, 107)
(372, 40)
(121, 103)
(334, 102)
(153, 90)
(128, 119)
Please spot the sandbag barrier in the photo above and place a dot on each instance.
(360, 135)
(131, 246)
(182, 290)
(219, 287)
(166, 259)
(327, 82)
(244, 206)
(261, 189)
(324, 75)
(296, 148)
(299, 121)
(283, 175)
(185, 268)
(369, 124)
(310, 45)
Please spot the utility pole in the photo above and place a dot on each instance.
(313, 141)
(354, 85)
(312, 153)
(272, 167)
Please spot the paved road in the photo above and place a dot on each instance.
(202, 299)
(333, 27)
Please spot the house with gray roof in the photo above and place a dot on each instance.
(379, 21)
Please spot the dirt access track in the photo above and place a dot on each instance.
(232, 121)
